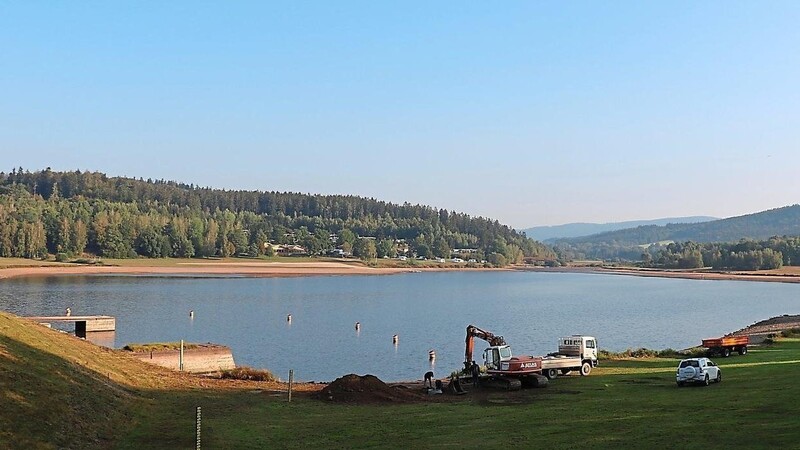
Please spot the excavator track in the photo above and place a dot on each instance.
(509, 384)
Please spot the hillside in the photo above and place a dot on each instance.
(53, 393)
(578, 229)
(624, 243)
(75, 212)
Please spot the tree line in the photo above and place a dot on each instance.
(69, 213)
(772, 253)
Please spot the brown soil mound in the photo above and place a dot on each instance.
(367, 389)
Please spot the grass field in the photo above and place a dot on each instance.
(60, 392)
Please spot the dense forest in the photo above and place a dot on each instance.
(71, 213)
(743, 255)
(627, 244)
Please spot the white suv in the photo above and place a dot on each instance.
(697, 370)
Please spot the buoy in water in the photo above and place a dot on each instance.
(69, 312)
(358, 326)
(431, 355)
(394, 339)
(289, 318)
(191, 314)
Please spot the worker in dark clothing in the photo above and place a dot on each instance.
(476, 371)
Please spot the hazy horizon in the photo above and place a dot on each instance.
(531, 114)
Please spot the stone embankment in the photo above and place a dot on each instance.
(204, 358)
(764, 328)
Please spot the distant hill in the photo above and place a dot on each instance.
(625, 243)
(572, 230)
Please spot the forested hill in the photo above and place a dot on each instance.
(775, 222)
(579, 229)
(73, 212)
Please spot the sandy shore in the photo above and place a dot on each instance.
(294, 269)
(253, 269)
(770, 276)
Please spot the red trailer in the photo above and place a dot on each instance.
(725, 345)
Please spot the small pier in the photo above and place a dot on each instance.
(83, 324)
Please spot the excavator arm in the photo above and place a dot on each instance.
(472, 333)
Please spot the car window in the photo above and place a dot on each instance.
(689, 364)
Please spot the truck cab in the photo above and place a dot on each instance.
(584, 347)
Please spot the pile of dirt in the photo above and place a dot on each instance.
(367, 389)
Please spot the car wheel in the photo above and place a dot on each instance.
(705, 381)
(586, 369)
(719, 376)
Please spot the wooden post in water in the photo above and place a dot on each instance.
(291, 380)
(180, 358)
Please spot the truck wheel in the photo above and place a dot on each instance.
(586, 369)
(743, 350)
(551, 374)
(726, 352)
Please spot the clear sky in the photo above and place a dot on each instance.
(533, 113)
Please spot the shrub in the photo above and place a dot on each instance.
(648, 353)
(248, 373)
(794, 332)
(62, 257)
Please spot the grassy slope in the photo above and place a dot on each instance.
(51, 397)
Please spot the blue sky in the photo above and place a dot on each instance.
(533, 113)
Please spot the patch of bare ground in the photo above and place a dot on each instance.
(769, 326)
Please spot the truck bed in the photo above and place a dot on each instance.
(727, 341)
(560, 361)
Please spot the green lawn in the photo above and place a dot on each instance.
(632, 404)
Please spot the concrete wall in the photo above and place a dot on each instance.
(204, 359)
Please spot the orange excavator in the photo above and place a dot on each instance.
(504, 369)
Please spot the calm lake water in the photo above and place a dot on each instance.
(426, 310)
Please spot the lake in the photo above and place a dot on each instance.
(428, 311)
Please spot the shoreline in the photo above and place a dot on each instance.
(334, 268)
(766, 276)
(224, 269)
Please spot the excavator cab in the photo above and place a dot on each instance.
(492, 356)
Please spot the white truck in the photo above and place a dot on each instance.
(575, 352)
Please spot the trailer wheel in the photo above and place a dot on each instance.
(743, 350)
(726, 352)
(586, 368)
(551, 374)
